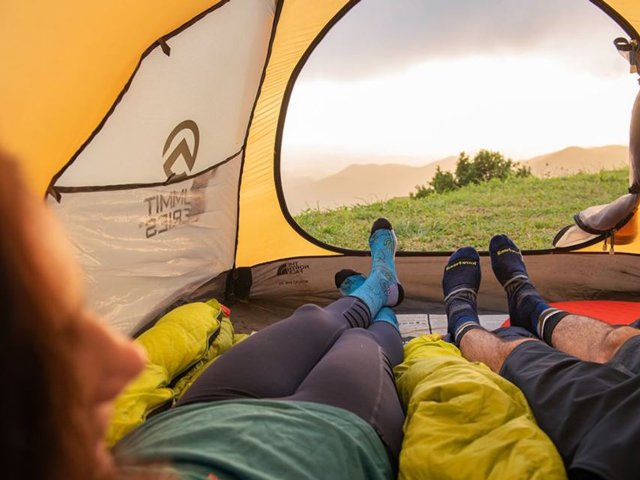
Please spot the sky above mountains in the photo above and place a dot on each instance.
(424, 79)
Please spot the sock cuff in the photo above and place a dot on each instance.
(547, 322)
(520, 278)
(465, 327)
(470, 292)
(387, 320)
(353, 309)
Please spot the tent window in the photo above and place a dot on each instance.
(397, 89)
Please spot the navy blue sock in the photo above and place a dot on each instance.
(460, 284)
(381, 288)
(527, 309)
(348, 281)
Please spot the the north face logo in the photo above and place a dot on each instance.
(187, 150)
(291, 268)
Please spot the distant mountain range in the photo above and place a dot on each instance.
(573, 160)
(362, 184)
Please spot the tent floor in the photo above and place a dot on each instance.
(248, 317)
(413, 325)
(419, 318)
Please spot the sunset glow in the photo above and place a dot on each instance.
(522, 107)
(422, 80)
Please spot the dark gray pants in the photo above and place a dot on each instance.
(331, 355)
(589, 410)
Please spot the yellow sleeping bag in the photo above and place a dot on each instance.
(179, 347)
(466, 422)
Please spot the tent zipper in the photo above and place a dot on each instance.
(611, 236)
(210, 340)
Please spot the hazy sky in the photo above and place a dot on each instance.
(425, 79)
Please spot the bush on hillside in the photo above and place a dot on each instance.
(485, 166)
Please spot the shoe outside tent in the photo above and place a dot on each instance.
(154, 131)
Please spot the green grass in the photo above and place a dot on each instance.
(530, 210)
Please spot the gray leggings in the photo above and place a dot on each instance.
(332, 355)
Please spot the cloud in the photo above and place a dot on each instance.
(432, 110)
(380, 35)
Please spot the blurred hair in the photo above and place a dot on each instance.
(43, 433)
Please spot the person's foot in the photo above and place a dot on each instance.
(525, 303)
(347, 281)
(381, 288)
(460, 284)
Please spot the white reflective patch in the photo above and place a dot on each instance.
(186, 111)
(573, 236)
(143, 248)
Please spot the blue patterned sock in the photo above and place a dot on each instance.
(381, 288)
(460, 284)
(526, 306)
(348, 281)
(386, 314)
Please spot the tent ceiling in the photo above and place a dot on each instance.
(64, 64)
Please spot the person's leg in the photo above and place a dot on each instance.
(381, 288)
(614, 346)
(273, 362)
(590, 339)
(580, 405)
(576, 403)
(356, 375)
(384, 327)
(479, 345)
(460, 284)
(387, 336)
(580, 336)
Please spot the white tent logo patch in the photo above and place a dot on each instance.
(182, 142)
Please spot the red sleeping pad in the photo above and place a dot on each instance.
(615, 313)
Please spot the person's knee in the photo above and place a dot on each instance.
(359, 333)
(310, 310)
(361, 337)
(613, 340)
(320, 317)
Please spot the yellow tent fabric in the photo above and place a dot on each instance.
(627, 9)
(464, 421)
(260, 213)
(64, 64)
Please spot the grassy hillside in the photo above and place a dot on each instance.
(530, 210)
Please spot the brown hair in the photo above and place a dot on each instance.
(43, 432)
